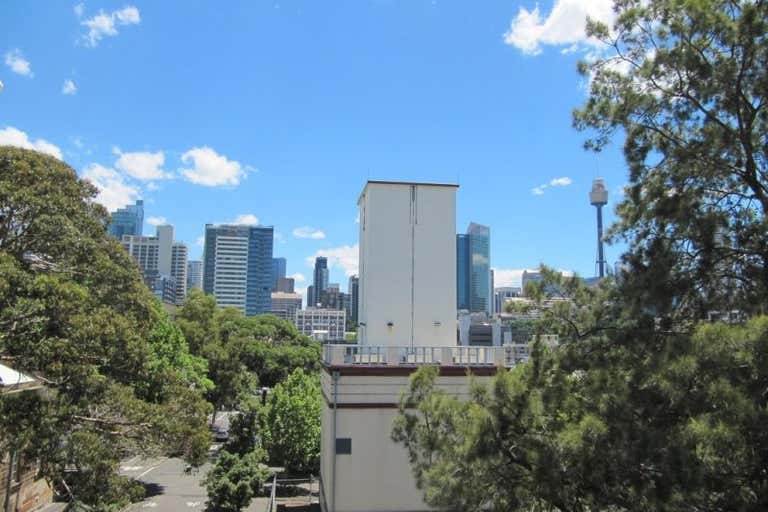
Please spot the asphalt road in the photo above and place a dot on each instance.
(168, 489)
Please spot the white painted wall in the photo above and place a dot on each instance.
(407, 264)
(376, 476)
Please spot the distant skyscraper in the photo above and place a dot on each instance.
(278, 270)
(320, 281)
(285, 305)
(353, 290)
(285, 285)
(474, 288)
(179, 256)
(194, 275)
(311, 302)
(502, 295)
(480, 276)
(160, 258)
(530, 277)
(462, 271)
(127, 221)
(237, 266)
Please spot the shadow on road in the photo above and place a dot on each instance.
(152, 489)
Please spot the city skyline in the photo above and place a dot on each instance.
(314, 114)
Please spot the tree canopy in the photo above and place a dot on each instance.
(644, 405)
(75, 313)
(291, 427)
(685, 83)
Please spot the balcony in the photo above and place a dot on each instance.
(365, 355)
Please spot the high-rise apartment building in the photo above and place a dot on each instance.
(285, 305)
(407, 239)
(320, 279)
(161, 258)
(127, 221)
(194, 275)
(237, 266)
(353, 291)
(179, 257)
(278, 270)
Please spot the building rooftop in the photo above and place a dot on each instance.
(419, 183)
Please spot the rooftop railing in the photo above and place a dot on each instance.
(368, 355)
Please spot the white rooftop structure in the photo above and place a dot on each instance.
(407, 294)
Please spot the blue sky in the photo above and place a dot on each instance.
(279, 111)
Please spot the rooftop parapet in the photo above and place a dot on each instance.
(367, 355)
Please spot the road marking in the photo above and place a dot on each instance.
(131, 468)
(151, 504)
(193, 504)
(150, 469)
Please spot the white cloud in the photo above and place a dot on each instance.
(246, 219)
(301, 291)
(503, 277)
(211, 169)
(298, 277)
(69, 88)
(11, 136)
(560, 182)
(357, 219)
(142, 165)
(152, 186)
(78, 9)
(15, 60)
(554, 182)
(157, 221)
(200, 241)
(308, 232)
(105, 24)
(564, 26)
(344, 257)
(114, 191)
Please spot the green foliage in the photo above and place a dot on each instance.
(245, 429)
(75, 312)
(274, 362)
(292, 423)
(622, 416)
(234, 480)
(243, 351)
(685, 83)
(170, 358)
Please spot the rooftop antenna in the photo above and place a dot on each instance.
(598, 197)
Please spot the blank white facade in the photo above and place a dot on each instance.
(407, 294)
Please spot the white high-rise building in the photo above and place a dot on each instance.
(160, 257)
(229, 283)
(407, 264)
(407, 318)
